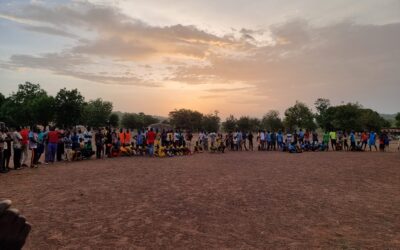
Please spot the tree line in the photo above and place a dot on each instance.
(31, 105)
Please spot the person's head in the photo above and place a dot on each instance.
(18, 129)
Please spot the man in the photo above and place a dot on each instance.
(332, 136)
(372, 141)
(325, 141)
(279, 138)
(250, 138)
(33, 144)
(52, 145)
(151, 136)
(17, 145)
(98, 137)
(352, 141)
(314, 138)
(24, 146)
(364, 140)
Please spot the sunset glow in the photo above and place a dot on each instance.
(237, 57)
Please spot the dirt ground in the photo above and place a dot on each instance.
(235, 200)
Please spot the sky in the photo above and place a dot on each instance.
(235, 56)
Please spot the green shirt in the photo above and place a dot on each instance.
(332, 135)
(326, 138)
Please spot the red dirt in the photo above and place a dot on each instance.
(235, 200)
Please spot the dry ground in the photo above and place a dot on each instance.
(236, 200)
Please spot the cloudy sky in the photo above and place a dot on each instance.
(236, 56)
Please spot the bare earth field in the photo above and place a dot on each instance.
(244, 200)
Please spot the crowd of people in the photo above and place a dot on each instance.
(28, 146)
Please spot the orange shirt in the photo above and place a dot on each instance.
(122, 137)
(364, 137)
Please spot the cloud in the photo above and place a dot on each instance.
(50, 31)
(296, 61)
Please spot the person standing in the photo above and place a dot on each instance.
(372, 141)
(332, 136)
(98, 137)
(364, 140)
(24, 146)
(352, 141)
(314, 138)
(151, 136)
(2, 143)
(279, 138)
(250, 138)
(52, 145)
(33, 145)
(325, 141)
(7, 150)
(17, 145)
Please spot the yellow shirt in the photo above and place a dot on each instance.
(332, 135)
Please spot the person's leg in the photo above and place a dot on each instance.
(2, 166)
(7, 158)
(53, 151)
(17, 158)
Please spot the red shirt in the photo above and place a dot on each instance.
(53, 137)
(151, 136)
(25, 136)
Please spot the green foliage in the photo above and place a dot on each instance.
(96, 113)
(322, 105)
(69, 107)
(271, 121)
(352, 116)
(42, 109)
(299, 116)
(243, 123)
(137, 121)
(113, 120)
(186, 119)
(30, 105)
(398, 119)
(230, 124)
(211, 122)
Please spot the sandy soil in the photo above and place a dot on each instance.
(236, 200)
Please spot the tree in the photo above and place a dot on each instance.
(398, 119)
(2, 99)
(322, 105)
(43, 110)
(28, 106)
(69, 107)
(186, 119)
(211, 122)
(371, 120)
(146, 120)
(113, 120)
(130, 121)
(299, 116)
(271, 121)
(345, 117)
(244, 123)
(96, 112)
(138, 121)
(230, 124)
(255, 124)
